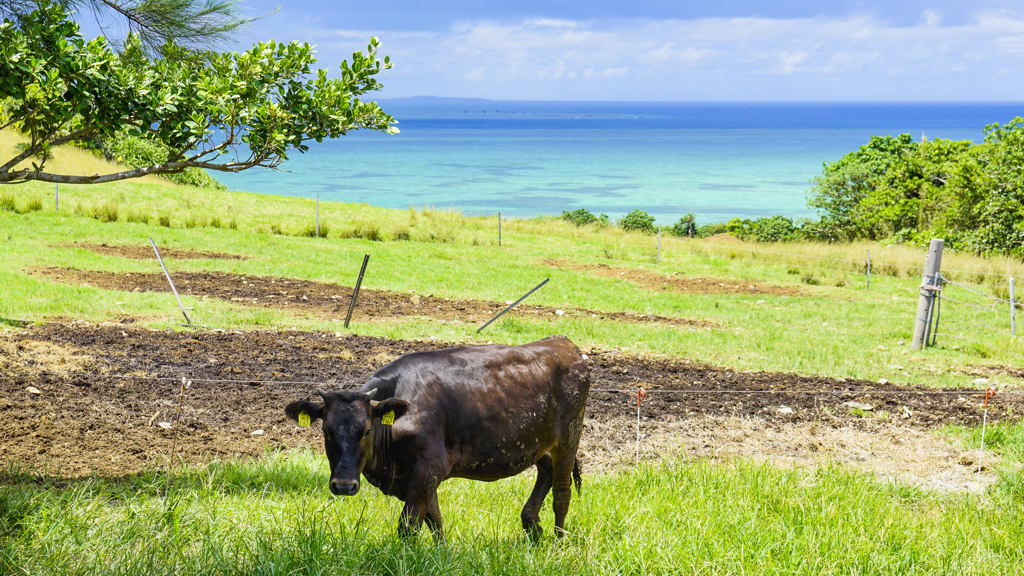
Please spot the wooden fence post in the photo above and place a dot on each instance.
(932, 264)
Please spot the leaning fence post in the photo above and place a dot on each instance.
(513, 305)
(355, 291)
(1013, 312)
(169, 281)
(929, 278)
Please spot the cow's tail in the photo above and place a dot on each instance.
(577, 476)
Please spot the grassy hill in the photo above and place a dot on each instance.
(809, 312)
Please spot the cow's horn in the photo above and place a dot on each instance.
(321, 392)
(371, 393)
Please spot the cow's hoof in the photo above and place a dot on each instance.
(533, 530)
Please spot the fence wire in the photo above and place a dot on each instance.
(986, 315)
(349, 386)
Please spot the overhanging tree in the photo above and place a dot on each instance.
(226, 112)
(193, 24)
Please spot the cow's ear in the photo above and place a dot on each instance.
(295, 411)
(396, 405)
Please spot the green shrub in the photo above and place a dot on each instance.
(638, 221)
(582, 217)
(139, 151)
(687, 226)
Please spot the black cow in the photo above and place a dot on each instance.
(480, 412)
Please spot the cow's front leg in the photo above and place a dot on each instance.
(421, 505)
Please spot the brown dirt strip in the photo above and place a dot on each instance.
(330, 300)
(694, 285)
(146, 252)
(77, 399)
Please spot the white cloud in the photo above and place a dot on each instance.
(853, 58)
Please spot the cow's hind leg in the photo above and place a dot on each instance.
(531, 510)
(563, 464)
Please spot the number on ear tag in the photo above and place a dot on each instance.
(388, 419)
(303, 419)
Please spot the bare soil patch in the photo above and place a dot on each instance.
(101, 410)
(660, 282)
(331, 300)
(146, 252)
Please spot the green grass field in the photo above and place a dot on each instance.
(275, 515)
(838, 328)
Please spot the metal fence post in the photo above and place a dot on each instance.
(355, 291)
(869, 270)
(659, 244)
(512, 305)
(1013, 312)
(169, 281)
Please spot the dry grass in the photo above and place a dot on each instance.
(891, 451)
(34, 357)
(69, 160)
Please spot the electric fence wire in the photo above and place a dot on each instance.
(177, 379)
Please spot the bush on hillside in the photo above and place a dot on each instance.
(638, 221)
(582, 217)
(895, 190)
(766, 229)
(687, 226)
(138, 152)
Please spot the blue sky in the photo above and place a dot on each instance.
(726, 50)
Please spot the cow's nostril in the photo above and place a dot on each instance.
(344, 487)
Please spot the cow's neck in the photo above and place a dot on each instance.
(380, 470)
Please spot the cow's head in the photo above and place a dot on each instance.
(349, 421)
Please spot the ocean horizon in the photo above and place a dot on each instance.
(529, 158)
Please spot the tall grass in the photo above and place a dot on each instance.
(67, 159)
(275, 516)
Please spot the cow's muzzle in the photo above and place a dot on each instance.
(344, 487)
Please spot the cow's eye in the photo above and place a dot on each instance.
(368, 432)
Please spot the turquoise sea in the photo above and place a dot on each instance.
(717, 160)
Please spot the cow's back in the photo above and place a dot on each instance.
(496, 409)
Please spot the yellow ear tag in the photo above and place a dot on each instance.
(388, 419)
(303, 419)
